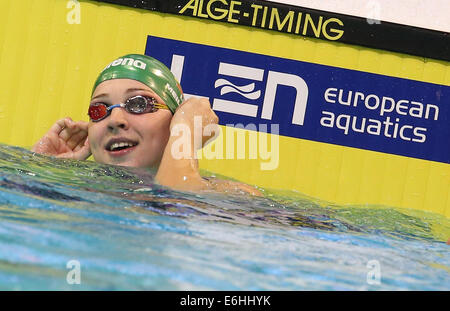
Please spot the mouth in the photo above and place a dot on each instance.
(120, 146)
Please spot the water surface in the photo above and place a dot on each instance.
(127, 233)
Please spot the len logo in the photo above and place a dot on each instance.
(226, 71)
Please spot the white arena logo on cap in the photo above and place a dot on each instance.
(127, 62)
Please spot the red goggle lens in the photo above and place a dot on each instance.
(97, 112)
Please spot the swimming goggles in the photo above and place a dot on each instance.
(136, 105)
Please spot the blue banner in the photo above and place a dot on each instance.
(314, 102)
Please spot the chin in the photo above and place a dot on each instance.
(128, 163)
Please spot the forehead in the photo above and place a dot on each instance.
(119, 86)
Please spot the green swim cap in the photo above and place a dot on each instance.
(149, 71)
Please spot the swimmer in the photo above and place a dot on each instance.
(136, 112)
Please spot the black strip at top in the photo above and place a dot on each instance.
(309, 23)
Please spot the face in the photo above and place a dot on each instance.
(123, 138)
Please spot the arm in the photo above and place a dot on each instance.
(179, 167)
(65, 139)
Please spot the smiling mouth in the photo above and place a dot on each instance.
(116, 145)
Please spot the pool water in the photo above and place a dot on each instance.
(124, 232)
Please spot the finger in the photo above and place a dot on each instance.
(67, 133)
(82, 125)
(72, 128)
(180, 107)
(83, 142)
(195, 100)
(58, 126)
(213, 117)
(83, 153)
(206, 101)
(76, 139)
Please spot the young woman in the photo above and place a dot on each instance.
(138, 118)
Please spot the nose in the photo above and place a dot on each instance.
(117, 119)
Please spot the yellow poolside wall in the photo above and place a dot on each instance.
(48, 63)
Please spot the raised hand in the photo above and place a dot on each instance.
(196, 114)
(65, 139)
(180, 170)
